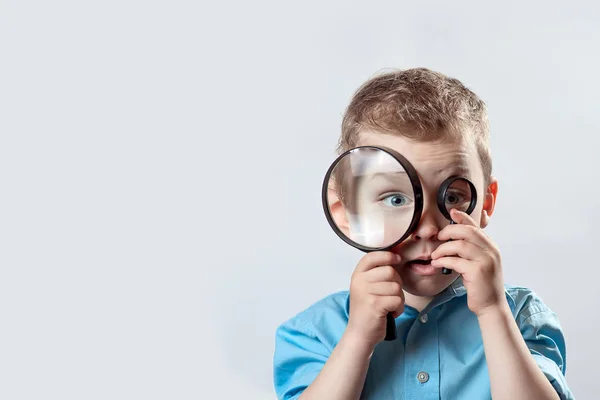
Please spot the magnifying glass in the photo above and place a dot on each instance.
(373, 200)
(456, 193)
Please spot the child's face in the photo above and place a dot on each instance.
(434, 163)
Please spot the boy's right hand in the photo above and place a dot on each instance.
(375, 291)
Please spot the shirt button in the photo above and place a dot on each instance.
(423, 376)
(423, 318)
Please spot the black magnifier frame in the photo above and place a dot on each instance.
(441, 202)
(391, 333)
(416, 186)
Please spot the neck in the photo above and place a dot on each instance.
(416, 302)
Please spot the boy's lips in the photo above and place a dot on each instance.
(422, 266)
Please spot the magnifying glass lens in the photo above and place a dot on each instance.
(458, 196)
(370, 199)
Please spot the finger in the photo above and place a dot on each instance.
(391, 304)
(383, 274)
(469, 233)
(377, 259)
(461, 217)
(385, 289)
(458, 264)
(398, 311)
(461, 248)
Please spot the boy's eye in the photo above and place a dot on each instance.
(396, 200)
(454, 198)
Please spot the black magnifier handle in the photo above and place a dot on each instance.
(447, 271)
(390, 330)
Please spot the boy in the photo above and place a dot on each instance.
(460, 336)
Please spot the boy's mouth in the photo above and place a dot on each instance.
(423, 261)
(422, 266)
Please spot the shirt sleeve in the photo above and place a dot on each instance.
(544, 338)
(299, 357)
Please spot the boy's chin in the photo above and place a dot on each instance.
(429, 286)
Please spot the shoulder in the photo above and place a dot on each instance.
(525, 302)
(327, 316)
(304, 343)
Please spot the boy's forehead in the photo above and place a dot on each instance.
(437, 157)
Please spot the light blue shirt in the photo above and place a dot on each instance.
(438, 353)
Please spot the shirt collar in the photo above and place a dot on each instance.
(455, 289)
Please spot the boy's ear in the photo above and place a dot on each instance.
(489, 202)
(337, 209)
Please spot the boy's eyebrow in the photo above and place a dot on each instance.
(396, 178)
(386, 174)
(459, 167)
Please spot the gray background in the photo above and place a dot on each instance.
(161, 162)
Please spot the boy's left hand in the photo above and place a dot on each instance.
(472, 254)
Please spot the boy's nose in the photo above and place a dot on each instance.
(427, 228)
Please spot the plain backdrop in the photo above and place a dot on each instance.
(161, 164)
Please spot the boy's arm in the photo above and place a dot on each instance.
(514, 374)
(343, 376)
(307, 368)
